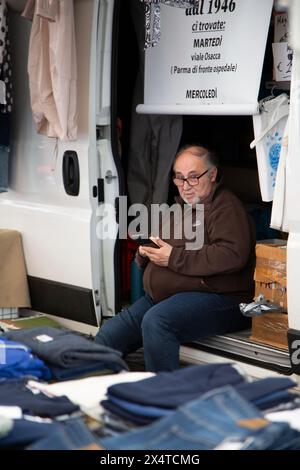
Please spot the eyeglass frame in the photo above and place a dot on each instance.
(187, 179)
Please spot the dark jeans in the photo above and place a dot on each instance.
(161, 328)
(202, 424)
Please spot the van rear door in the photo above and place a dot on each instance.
(109, 167)
(56, 187)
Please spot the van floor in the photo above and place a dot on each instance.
(240, 347)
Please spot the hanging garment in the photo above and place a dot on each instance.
(5, 62)
(279, 206)
(269, 126)
(152, 8)
(6, 99)
(154, 139)
(52, 67)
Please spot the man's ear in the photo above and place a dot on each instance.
(213, 175)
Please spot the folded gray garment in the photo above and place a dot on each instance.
(65, 348)
(6, 426)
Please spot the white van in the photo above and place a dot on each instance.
(56, 188)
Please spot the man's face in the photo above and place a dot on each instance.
(190, 165)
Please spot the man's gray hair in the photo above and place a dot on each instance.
(201, 152)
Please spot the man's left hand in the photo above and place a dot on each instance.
(160, 255)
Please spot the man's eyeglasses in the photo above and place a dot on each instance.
(192, 180)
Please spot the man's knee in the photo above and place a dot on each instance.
(153, 320)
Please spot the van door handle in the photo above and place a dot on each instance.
(109, 176)
(71, 173)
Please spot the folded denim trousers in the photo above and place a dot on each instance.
(204, 423)
(72, 435)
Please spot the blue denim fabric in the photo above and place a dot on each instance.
(262, 393)
(151, 411)
(202, 424)
(268, 392)
(172, 389)
(4, 167)
(14, 392)
(278, 436)
(124, 414)
(25, 432)
(72, 435)
(64, 373)
(162, 327)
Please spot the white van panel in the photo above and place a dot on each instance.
(58, 230)
(103, 12)
(293, 190)
(44, 229)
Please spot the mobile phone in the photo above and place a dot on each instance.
(147, 242)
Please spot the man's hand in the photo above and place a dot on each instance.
(160, 255)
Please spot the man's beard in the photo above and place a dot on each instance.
(193, 202)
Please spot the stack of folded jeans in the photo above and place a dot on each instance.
(68, 354)
(221, 416)
(158, 396)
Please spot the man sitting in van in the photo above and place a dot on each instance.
(190, 293)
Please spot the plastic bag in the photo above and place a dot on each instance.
(269, 128)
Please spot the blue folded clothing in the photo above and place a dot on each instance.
(72, 435)
(172, 389)
(68, 354)
(17, 360)
(25, 433)
(17, 392)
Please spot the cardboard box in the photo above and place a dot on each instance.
(271, 329)
(270, 271)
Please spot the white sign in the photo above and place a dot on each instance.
(210, 55)
(283, 56)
